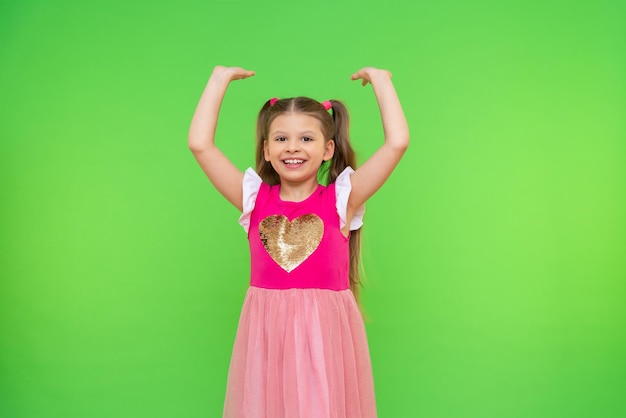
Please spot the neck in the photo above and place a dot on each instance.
(297, 192)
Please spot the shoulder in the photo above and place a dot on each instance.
(252, 185)
(343, 188)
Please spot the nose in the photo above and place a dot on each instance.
(293, 145)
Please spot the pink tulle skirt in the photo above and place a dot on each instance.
(300, 353)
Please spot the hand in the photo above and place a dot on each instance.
(230, 73)
(368, 74)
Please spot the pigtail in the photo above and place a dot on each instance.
(344, 154)
(346, 157)
(263, 168)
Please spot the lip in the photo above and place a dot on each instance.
(293, 162)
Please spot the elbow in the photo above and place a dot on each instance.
(398, 139)
(405, 144)
(196, 146)
(192, 144)
(401, 143)
(193, 147)
(405, 140)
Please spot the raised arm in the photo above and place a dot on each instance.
(226, 178)
(368, 178)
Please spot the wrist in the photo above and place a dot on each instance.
(220, 75)
(381, 75)
(219, 81)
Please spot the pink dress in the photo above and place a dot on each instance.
(301, 349)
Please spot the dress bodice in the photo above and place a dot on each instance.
(297, 244)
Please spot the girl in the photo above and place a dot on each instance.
(300, 349)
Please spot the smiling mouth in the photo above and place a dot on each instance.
(293, 162)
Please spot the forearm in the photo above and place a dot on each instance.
(395, 125)
(204, 121)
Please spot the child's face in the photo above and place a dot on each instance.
(296, 147)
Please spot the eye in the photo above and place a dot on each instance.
(281, 139)
(307, 138)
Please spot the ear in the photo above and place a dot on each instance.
(330, 150)
(266, 151)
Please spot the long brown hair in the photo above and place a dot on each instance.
(335, 125)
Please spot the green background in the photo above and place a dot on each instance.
(495, 254)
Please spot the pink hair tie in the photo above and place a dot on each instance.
(327, 104)
(274, 100)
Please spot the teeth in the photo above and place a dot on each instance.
(294, 161)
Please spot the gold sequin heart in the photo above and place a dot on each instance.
(290, 243)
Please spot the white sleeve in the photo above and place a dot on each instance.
(251, 185)
(342, 193)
